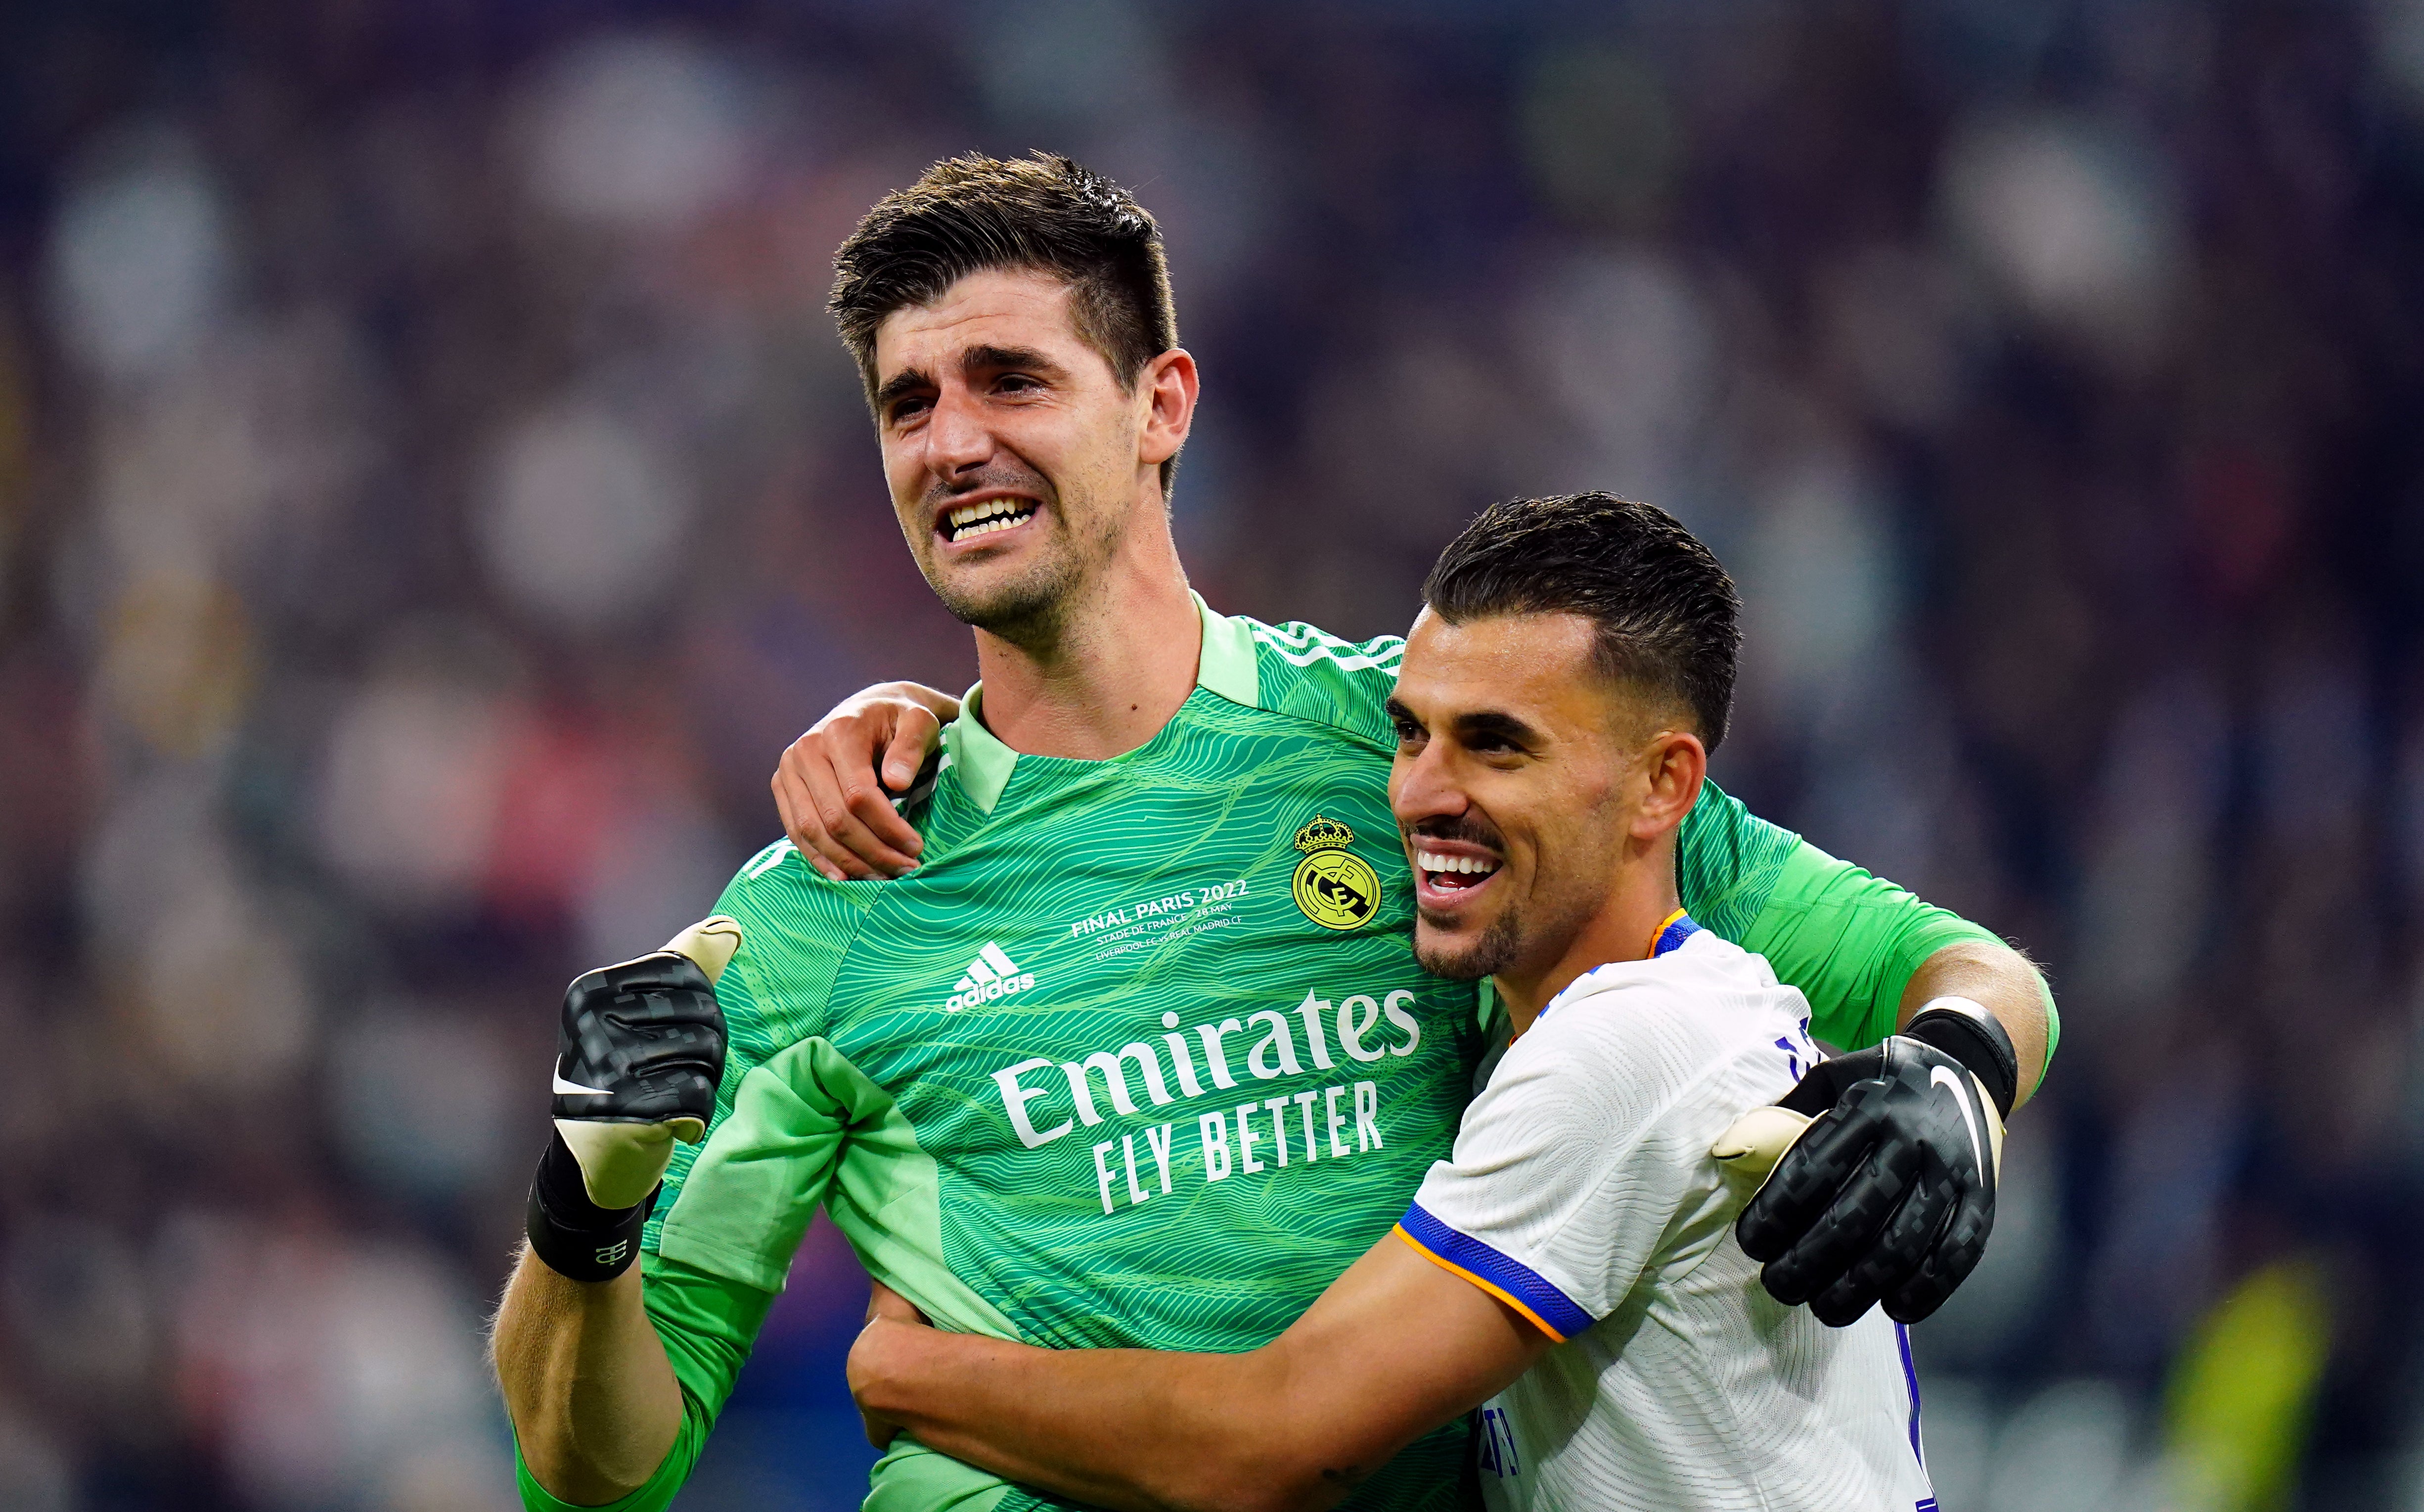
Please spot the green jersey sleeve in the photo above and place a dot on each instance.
(1849, 940)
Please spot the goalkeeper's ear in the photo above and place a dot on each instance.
(710, 945)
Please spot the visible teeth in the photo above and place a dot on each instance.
(996, 513)
(1433, 861)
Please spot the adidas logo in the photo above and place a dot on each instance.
(991, 974)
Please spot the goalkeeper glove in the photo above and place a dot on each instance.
(639, 1054)
(1878, 1173)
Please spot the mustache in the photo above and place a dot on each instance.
(1470, 828)
(1000, 475)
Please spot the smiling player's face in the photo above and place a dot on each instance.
(1010, 447)
(1512, 779)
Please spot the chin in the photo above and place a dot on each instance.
(1029, 601)
(1457, 957)
(1469, 953)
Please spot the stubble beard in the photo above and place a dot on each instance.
(1529, 933)
(1030, 609)
(1492, 951)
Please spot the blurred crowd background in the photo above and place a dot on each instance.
(431, 496)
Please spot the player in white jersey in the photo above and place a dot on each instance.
(1583, 1194)
(1572, 1269)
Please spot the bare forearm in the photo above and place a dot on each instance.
(1296, 1424)
(2000, 979)
(1129, 1429)
(593, 1398)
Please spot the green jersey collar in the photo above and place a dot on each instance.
(1226, 667)
(1227, 664)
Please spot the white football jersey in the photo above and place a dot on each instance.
(1583, 1194)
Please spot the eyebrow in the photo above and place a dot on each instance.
(1491, 721)
(1467, 726)
(993, 358)
(974, 360)
(906, 381)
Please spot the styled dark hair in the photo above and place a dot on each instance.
(1668, 618)
(1042, 212)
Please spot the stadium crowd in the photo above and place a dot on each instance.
(431, 495)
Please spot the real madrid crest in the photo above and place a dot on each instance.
(1334, 888)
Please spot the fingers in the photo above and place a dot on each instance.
(867, 825)
(830, 794)
(1844, 1229)
(941, 705)
(1844, 1303)
(914, 735)
(1804, 1182)
(884, 1308)
(820, 806)
(1900, 1249)
(797, 806)
(1948, 1262)
(1826, 1082)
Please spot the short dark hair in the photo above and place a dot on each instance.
(1668, 618)
(1043, 213)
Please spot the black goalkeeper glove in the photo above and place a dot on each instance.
(1879, 1169)
(639, 1056)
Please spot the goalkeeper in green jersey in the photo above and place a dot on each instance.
(1139, 1053)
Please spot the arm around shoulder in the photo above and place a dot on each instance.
(1869, 954)
(1296, 1425)
(2004, 981)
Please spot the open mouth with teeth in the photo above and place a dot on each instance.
(1445, 873)
(969, 522)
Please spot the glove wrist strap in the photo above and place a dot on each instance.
(578, 1239)
(1966, 1031)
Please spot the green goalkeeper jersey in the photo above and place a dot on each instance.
(1139, 1056)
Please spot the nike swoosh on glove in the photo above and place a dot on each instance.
(1877, 1182)
(639, 1054)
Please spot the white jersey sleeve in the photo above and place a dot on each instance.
(1586, 1161)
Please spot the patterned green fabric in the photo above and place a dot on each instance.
(1020, 1078)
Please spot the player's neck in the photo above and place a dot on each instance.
(1625, 928)
(1117, 667)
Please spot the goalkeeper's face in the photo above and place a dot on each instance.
(1013, 453)
(1516, 786)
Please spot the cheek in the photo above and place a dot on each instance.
(1045, 444)
(903, 478)
(1099, 443)
(1577, 849)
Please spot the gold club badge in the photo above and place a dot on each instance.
(1334, 888)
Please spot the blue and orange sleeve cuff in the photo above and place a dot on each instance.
(1511, 1280)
